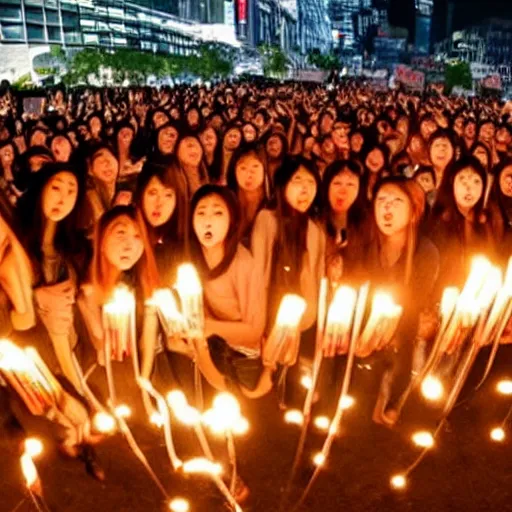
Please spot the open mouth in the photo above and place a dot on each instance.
(468, 198)
(208, 235)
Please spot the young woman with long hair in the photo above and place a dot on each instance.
(247, 179)
(405, 263)
(162, 199)
(345, 213)
(189, 153)
(459, 224)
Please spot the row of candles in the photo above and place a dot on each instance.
(472, 318)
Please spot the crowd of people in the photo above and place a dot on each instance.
(266, 188)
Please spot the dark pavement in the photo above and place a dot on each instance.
(465, 471)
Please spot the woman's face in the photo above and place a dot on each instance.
(105, 166)
(211, 221)
(259, 120)
(470, 130)
(232, 139)
(301, 190)
(274, 146)
(487, 132)
(38, 138)
(328, 147)
(193, 118)
(249, 173)
(425, 181)
(122, 243)
(392, 210)
(441, 152)
(343, 191)
(159, 119)
(249, 133)
(95, 126)
(158, 202)
(6, 156)
(506, 181)
(375, 160)
(467, 188)
(61, 148)
(59, 196)
(167, 138)
(481, 154)
(190, 152)
(208, 139)
(356, 142)
(125, 137)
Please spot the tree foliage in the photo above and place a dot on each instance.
(457, 74)
(326, 62)
(208, 62)
(275, 61)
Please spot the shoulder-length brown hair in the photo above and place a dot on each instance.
(103, 275)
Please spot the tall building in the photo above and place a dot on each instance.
(423, 25)
(28, 27)
(314, 26)
(342, 14)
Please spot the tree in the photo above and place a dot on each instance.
(211, 61)
(275, 62)
(327, 62)
(457, 74)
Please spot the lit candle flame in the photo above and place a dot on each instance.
(347, 402)
(176, 399)
(122, 301)
(188, 282)
(123, 411)
(202, 465)
(322, 423)
(29, 470)
(290, 312)
(179, 505)
(423, 439)
(241, 426)
(432, 388)
(33, 447)
(104, 423)
(319, 459)
(306, 381)
(398, 482)
(505, 387)
(227, 406)
(449, 301)
(498, 434)
(294, 417)
(156, 419)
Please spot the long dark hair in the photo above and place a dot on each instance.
(446, 205)
(243, 150)
(292, 230)
(232, 237)
(68, 240)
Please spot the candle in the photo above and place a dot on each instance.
(190, 291)
(282, 345)
(171, 319)
(339, 321)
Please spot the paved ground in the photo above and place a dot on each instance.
(465, 472)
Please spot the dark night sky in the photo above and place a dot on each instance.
(466, 12)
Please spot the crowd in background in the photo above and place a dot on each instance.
(266, 188)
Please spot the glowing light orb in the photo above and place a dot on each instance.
(319, 459)
(123, 411)
(432, 388)
(505, 387)
(179, 505)
(498, 434)
(322, 423)
(294, 417)
(398, 482)
(33, 447)
(157, 420)
(306, 382)
(423, 439)
(104, 423)
(347, 402)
